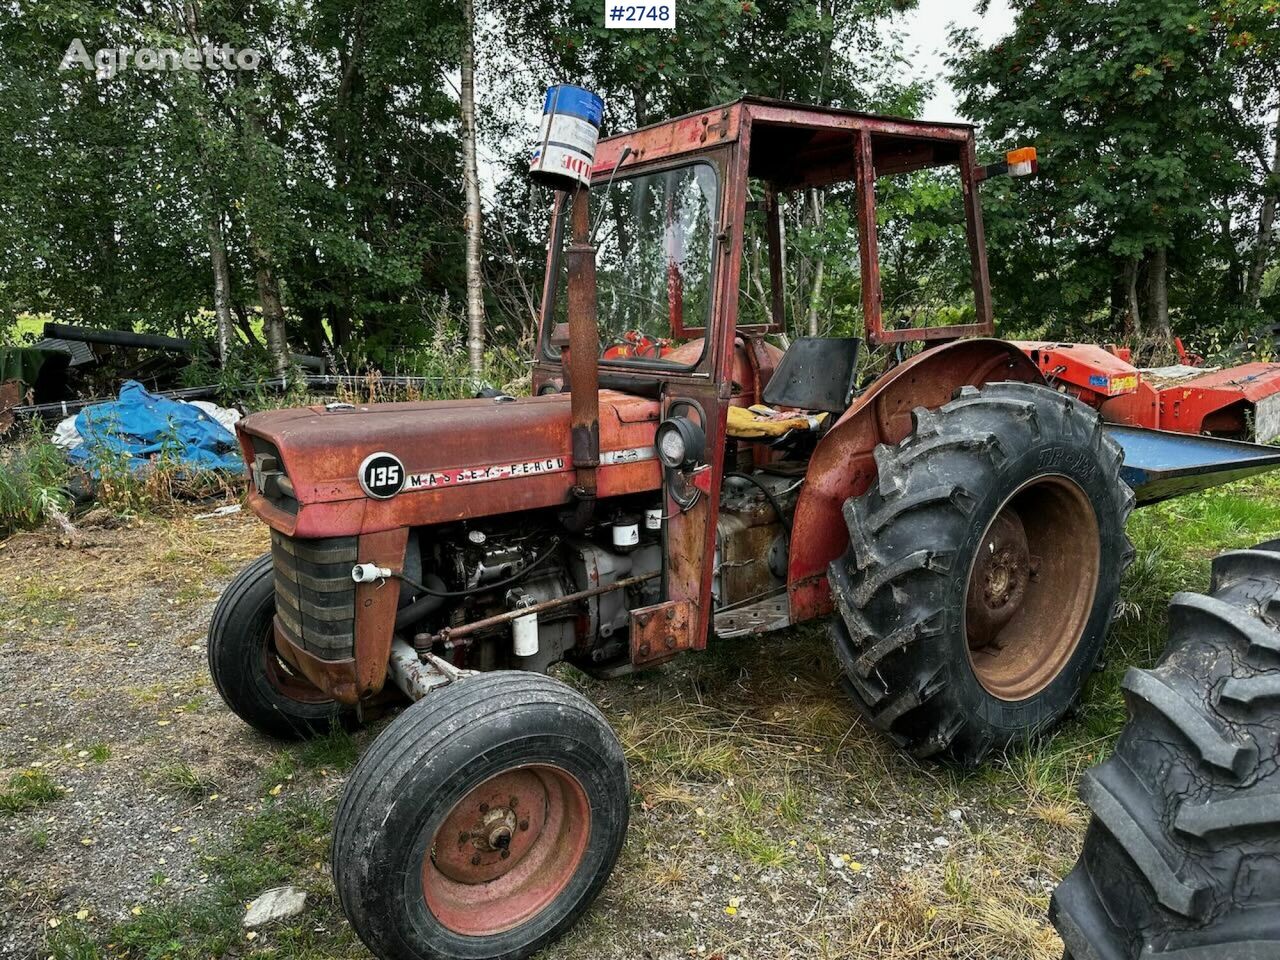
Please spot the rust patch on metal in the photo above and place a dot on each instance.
(10, 397)
(376, 605)
(843, 465)
(661, 631)
(337, 678)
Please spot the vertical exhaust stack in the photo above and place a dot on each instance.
(562, 159)
(584, 352)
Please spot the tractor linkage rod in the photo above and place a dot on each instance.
(424, 641)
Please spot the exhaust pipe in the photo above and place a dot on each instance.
(584, 353)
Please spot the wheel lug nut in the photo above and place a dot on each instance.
(475, 861)
(484, 808)
(514, 801)
(524, 824)
(505, 854)
(463, 838)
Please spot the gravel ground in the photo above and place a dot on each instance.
(766, 821)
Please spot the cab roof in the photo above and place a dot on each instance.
(791, 144)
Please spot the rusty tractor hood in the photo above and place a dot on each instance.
(461, 459)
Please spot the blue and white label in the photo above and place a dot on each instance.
(566, 145)
(658, 15)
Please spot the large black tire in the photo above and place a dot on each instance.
(1012, 464)
(1182, 857)
(262, 690)
(414, 885)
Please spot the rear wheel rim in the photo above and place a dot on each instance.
(506, 850)
(1031, 587)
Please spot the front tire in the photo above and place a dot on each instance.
(982, 571)
(482, 823)
(252, 679)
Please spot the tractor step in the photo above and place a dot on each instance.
(1159, 464)
(771, 613)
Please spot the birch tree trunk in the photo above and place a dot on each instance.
(221, 283)
(1266, 231)
(471, 180)
(213, 212)
(1132, 313)
(815, 292)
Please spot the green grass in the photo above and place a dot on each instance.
(27, 790)
(336, 750)
(183, 780)
(282, 845)
(282, 768)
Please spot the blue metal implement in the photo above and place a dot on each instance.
(1159, 464)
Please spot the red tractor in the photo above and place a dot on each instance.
(958, 520)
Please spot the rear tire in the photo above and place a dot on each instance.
(417, 864)
(262, 690)
(1182, 857)
(982, 572)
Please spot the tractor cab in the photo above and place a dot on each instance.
(671, 272)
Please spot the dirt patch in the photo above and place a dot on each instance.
(767, 821)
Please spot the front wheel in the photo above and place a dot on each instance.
(983, 570)
(251, 676)
(482, 823)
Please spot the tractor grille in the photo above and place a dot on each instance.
(315, 595)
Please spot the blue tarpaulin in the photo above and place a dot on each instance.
(141, 425)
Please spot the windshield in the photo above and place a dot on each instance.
(653, 264)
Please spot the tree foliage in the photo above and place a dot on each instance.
(1156, 125)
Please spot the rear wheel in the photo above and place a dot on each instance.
(982, 571)
(483, 821)
(1182, 857)
(251, 676)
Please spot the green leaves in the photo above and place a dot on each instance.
(1149, 115)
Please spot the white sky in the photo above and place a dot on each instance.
(924, 30)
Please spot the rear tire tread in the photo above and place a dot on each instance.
(1182, 859)
(932, 481)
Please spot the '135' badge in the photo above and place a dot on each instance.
(381, 475)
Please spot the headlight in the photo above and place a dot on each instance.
(680, 442)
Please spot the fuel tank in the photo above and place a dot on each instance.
(339, 470)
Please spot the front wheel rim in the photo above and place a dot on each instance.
(506, 850)
(1031, 587)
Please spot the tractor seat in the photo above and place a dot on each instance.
(816, 374)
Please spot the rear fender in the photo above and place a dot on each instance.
(843, 465)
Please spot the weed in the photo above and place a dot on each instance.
(33, 478)
(27, 790)
(754, 845)
(751, 799)
(282, 768)
(100, 752)
(38, 839)
(184, 780)
(336, 750)
(791, 805)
